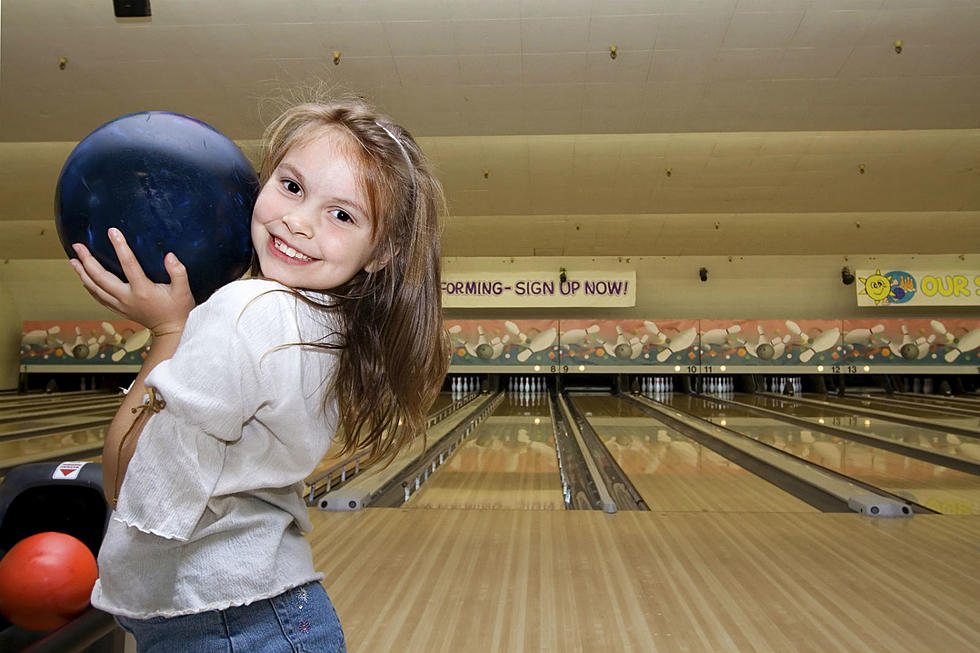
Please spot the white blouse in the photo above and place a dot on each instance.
(210, 513)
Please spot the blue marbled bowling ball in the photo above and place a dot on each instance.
(170, 183)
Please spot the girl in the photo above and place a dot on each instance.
(238, 399)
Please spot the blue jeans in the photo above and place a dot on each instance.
(301, 620)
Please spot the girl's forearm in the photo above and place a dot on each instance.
(118, 448)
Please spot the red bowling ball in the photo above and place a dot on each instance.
(46, 580)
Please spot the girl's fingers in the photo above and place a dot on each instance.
(127, 260)
(176, 269)
(179, 284)
(93, 288)
(97, 274)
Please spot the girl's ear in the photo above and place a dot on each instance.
(380, 261)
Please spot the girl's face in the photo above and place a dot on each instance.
(310, 226)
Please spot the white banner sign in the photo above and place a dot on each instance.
(538, 289)
(918, 288)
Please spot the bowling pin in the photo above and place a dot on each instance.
(39, 336)
(131, 344)
(620, 348)
(652, 328)
(636, 345)
(79, 340)
(94, 345)
(540, 342)
(896, 349)
(453, 332)
(719, 336)
(680, 342)
(968, 342)
(577, 336)
(823, 342)
(752, 348)
(482, 345)
(924, 344)
(863, 336)
(498, 345)
(795, 329)
(940, 328)
(111, 332)
(779, 345)
(516, 331)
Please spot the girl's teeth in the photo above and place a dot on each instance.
(289, 251)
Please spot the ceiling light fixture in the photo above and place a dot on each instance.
(612, 51)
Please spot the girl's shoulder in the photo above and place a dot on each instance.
(262, 303)
(239, 294)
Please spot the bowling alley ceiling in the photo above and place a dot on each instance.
(558, 127)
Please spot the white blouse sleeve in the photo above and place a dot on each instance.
(230, 358)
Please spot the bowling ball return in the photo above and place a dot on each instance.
(169, 183)
(64, 498)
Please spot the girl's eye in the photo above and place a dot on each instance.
(342, 215)
(291, 186)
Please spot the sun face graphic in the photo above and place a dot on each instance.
(877, 287)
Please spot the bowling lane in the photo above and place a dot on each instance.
(24, 428)
(28, 413)
(65, 445)
(14, 407)
(934, 414)
(508, 462)
(442, 401)
(42, 398)
(933, 401)
(952, 444)
(672, 472)
(934, 486)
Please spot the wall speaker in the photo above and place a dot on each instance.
(131, 8)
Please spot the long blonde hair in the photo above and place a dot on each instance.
(393, 351)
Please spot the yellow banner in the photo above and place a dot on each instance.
(918, 288)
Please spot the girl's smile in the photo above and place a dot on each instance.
(310, 226)
(287, 253)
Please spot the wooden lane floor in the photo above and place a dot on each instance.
(51, 398)
(939, 415)
(64, 445)
(26, 414)
(333, 455)
(939, 488)
(672, 472)
(923, 401)
(957, 445)
(508, 462)
(840, 415)
(77, 403)
(487, 581)
(23, 428)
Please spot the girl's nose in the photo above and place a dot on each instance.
(298, 225)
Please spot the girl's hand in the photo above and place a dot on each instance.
(160, 307)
